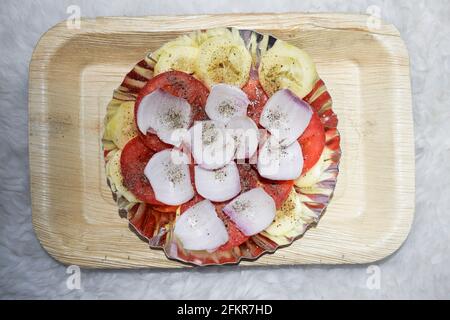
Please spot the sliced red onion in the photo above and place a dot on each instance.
(199, 228)
(211, 145)
(278, 162)
(218, 185)
(169, 176)
(225, 102)
(246, 136)
(252, 211)
(164, 114)
(286, 116)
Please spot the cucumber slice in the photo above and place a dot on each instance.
(287, 217)
(115, 177)
(121, 127)
(285, 66)
(181, 58)
(223, 60)
(316, 173)
(201, 36)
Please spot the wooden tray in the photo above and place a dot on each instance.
(72, 76)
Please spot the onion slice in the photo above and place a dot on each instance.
(286, 116)
(169, 176)
(164, 114)
(246, 136)
(199, 228)
(277, 162)
(212, 147)
(218, 185)
(252, 211)
(225, 102)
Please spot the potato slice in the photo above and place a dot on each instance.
(285, 66)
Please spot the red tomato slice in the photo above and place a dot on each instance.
(235, 236)
(257, 97)
(249, 177)
(152, 141)
(105, 153)
(312, 142)
(278, 190)
(165, 208)
(196, 199)
(179, 84)
(133, 160)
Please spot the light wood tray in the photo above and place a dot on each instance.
(72, 76)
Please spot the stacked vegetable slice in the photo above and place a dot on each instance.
(234, 209)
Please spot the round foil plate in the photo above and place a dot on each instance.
(314, 193)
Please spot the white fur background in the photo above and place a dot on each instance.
(420, 269)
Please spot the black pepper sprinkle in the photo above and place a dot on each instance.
(173, 119)
(276, 118)
(241, 206)
(209, 133)
(226, 108)
(284, 153)
(174, 173)
(220, 174)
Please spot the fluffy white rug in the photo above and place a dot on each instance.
(419, 270)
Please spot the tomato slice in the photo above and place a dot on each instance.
(278, 190)
(257, 97)
(196, 199)
(152, 141)
(235, 236)
(249, 177)
(133, 160)
(312, 142)
(165, 208)
(179, 84)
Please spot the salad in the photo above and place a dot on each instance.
(222, 145)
